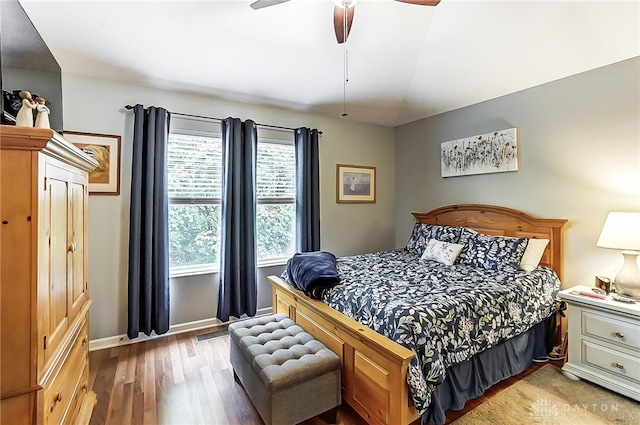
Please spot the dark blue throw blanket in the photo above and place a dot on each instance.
(313, 272)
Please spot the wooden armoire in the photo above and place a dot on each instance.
(44, 299)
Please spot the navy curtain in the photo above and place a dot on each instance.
(148, 228)
(307, 190)
(238, 293)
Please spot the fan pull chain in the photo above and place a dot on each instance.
(346, 64)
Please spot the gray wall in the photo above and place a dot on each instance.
(579, 158)
(579, 143)
(96, 106)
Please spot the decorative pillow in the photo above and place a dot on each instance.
(492, 252)
(422, 233)
(442, 252)
(467, 232)
(416, 240)
(533, 254)
(447, 233)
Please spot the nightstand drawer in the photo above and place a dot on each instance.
(611, 329)
(612, 361)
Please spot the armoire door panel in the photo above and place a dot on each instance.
(76, 258)
(58, 320)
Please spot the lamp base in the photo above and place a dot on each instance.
(628, 278)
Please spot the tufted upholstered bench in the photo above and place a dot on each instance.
(288, 375)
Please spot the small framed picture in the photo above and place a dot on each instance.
(105, 149)
(355, 184)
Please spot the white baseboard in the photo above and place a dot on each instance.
(118, 340)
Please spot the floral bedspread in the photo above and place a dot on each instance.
(445, 314)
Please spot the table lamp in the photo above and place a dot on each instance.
(621, 231)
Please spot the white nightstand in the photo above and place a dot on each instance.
(604, 342)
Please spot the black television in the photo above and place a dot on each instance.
(26, 63)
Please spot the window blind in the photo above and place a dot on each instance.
(276, 173)
(195, 166)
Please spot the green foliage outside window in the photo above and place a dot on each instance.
(276, 230)
(194, 235)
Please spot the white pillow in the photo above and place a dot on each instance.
(442, 252)
(533, 254)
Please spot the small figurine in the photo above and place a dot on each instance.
(25, 114)
(42, 119)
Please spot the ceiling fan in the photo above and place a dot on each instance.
(342, 13)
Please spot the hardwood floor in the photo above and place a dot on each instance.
(178, 381)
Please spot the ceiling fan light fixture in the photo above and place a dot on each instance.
(345, 3)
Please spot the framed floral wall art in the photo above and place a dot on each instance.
(487, 153)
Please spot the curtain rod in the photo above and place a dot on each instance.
(276, 127)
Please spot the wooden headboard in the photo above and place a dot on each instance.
(502, 221)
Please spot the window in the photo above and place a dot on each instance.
(194, 163)
(276, 196)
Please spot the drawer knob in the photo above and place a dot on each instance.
(619, 334)
(57, 399)
(619, 365)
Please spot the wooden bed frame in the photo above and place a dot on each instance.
(374, 368)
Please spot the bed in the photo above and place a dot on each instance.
(375, 368)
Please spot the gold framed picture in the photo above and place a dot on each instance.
(355, 184)
(105, 149)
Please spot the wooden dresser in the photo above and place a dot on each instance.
(44, 303)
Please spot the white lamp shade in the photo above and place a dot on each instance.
(621, 231)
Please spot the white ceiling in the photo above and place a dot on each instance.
(406, 62)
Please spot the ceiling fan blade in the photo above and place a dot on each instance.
(338, 22)
(259, 4)
(421, 2)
